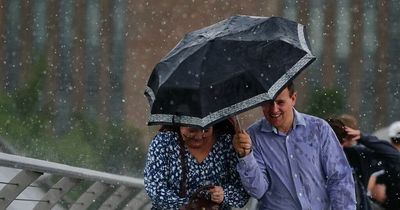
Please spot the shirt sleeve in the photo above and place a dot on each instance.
(253, 173)
(234, 193)
(156, 173)
(340, 182)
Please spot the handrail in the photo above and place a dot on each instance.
(20, 162)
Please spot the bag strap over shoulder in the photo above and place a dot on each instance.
(183, 182)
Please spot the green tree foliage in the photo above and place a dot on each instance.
(325, 103)
(93, 143)
(27, 97)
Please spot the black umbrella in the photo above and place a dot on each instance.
(225, 69)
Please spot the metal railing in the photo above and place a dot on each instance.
(24, 178)
(48, 185)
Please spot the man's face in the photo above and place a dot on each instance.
(280, 112)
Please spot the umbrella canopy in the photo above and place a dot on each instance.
(225, 69)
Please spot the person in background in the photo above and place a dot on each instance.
(183, 159)
(366, 155)
(387, 187)
(291, 160)
(394, 134)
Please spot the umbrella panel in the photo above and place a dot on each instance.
(223, 73)
(225, 69)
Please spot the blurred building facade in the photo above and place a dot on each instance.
(95, 56)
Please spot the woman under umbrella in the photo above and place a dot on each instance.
(183, 159)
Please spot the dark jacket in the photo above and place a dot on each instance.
(368, 156)
(391, 179)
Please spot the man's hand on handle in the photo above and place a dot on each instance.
(241, 140)
(242, 143)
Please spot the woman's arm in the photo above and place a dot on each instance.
(157, 172)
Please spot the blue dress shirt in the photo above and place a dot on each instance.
(306, 169)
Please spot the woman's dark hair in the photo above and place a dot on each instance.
(338, 127)
(173, 128)
(223, 127)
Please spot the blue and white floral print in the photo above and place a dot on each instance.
(163, 170)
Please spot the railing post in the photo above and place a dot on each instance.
(88, 197)
(138, 201)
(116, 198)
(18, 184)
(56, 192)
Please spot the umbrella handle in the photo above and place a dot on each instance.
(238, 126)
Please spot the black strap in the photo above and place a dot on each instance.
(183, 182)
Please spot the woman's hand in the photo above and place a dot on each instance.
(217, 194)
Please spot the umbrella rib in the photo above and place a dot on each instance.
(149, 93)
(302, 39)
(238, 107)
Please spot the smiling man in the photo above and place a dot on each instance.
(291, 160)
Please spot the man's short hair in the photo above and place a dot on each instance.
(290, 86)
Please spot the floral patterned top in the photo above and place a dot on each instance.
(163, 170)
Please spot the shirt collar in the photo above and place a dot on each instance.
(298, 120)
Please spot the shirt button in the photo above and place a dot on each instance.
(291, 156)
(295, 175)
(300, 194)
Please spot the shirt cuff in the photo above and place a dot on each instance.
(246, 163)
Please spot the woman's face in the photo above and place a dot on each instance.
(196, 137)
